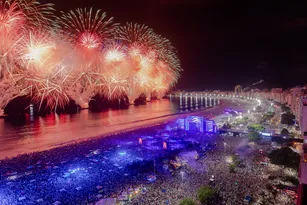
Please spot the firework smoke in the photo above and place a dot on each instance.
(80, 54)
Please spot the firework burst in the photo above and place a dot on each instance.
(47, 90)
(24, 14)
(155, 56)
(87, 28)
(114, 85)
(132, 33)
(82, 54)
(17, 18)
(36, 51)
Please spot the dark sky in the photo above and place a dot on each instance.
(222, 43)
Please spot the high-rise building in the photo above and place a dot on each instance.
(238, 89)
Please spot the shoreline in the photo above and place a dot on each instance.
(152, 123)
(115, 162)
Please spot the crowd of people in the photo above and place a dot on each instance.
(250, 179)
(87, 171)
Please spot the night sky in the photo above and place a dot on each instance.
(222, 43)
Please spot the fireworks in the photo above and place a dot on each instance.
(10, 16)
(138, 34)
(87, 28)
(157, 59)
(82, 54)
(24, 14)
(42, 68)
(47, 90)
(17, 17)
(114, 85)
(114, 55)
(36, 49)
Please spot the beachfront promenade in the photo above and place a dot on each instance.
(295, 98)
(107, 167)
(157, 164)
(215, 94)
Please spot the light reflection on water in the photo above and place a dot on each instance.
(41, 133)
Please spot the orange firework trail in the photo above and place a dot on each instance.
(78, 55)
(87, 28)
(17, 18)
(45, 72)
(149, 49)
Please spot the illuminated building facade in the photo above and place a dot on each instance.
(196, 124)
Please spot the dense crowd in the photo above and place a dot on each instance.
(86, 171)
(250, 178)
(122, 166)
